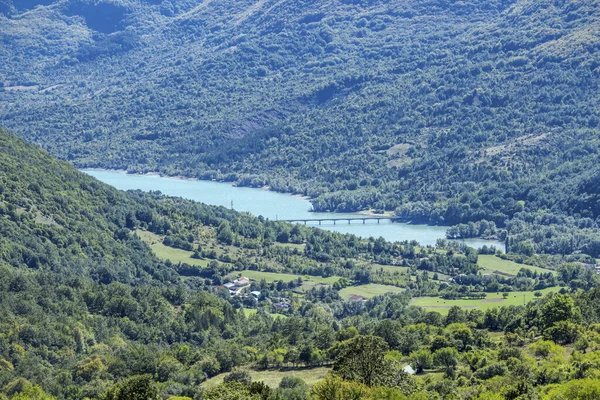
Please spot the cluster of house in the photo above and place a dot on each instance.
(281, 303)
(238, 286)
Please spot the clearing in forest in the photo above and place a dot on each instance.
(491, 300)
(369, 290)
(496, 265)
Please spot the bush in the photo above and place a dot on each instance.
(292, 382)
(490, 371)
(238, 376)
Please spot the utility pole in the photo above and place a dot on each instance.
(232, 204)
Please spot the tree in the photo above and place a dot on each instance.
(546, 349)
(563, 332)
(446, 358)
(462, 334)
(210, 366)
(333, 387)
(32, 392)
(455, 314)
(140, 387)
(421, 359)
(291, 382)
(386, 393)
(439, 342)
(559, 307)
(361, 359)
(579, 389)
(292, 388)
(238, 376)
(233, 390)
(390, 331)
(224, 233)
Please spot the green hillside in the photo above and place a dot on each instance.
(54, 218)
(446, 112)
(119, 295)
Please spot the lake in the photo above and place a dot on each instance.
(274, 206)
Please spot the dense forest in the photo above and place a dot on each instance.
(446, 112)
(89, 310)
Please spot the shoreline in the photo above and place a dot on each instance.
(299, 196)
(186, 178)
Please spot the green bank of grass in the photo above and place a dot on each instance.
(169, 253)
(491, 300)
(250, 311)
(273, 377)
(370, 290)
(497, 265)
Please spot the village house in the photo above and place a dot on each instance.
(237, 286)
(241, 281)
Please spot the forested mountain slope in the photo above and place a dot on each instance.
(53, 217)
(85, 303)
(88, 311)
(450, 111)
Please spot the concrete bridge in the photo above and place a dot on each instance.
(349, 219)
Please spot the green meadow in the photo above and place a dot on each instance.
(273, 377)
(169, 253)
(491, 300)
(496, 265)
(369, 290)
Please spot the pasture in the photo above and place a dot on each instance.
(169, 253)
(272, 377)
(491, 300)
(369, 290)
(496, 265)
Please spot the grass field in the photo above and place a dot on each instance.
(273, 377)
(169, 253)
(370, 290)
(491, 300)
(390, 269)
(250, 311)
(493, 264)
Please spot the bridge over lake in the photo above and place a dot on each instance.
(349, 219)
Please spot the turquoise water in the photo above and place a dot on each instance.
(274, 205)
